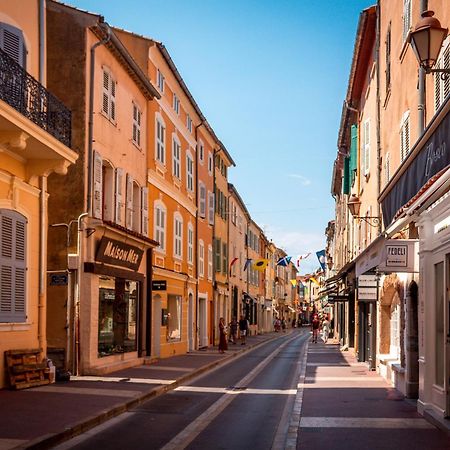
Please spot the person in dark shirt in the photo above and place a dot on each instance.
(315, 325)
(243, 329)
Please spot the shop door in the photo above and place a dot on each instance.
(157, 326)
(447, 338)
(363, 328)
(191, 325)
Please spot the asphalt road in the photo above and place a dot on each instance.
(244, 404)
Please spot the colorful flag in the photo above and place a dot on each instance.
(233, 262)
(300, 257)
(247, 263)
(322, 259)
(294, 283)
(314, 281)
(260, 264)
(284, 261)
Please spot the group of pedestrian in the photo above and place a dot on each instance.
(317, 324)
(232, 332)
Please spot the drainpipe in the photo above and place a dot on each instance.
(91, 117)
(41, 325)
(42, 42)
(214, 247)
(378, 119)
(421, 87)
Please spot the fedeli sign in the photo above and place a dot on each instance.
(118, 253)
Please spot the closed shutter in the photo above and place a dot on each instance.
(112, 99)
(129, 203)
(98, 186)
(225, 258)
(12, 43)
(353, 153)
(144, 211)
(202, 205)
(211, 208)
(105, 93)
(366, 147)
(118, 195)
(346, 182)
(217, 256)
(12, 266)
(162, 233)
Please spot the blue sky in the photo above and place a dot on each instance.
(270, 76)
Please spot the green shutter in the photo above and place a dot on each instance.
(353, 153)
(346, 182)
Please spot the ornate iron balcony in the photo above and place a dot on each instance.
(25, 94)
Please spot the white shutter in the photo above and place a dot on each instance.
(211, 208)
(144, 211)
(366, 149)
(118, 195)
(129, 204)
(12, 43)
(105, 93)
(202, 192)
(97, 207)
(112, 99)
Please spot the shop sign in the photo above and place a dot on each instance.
(400, 255)
(118, 253)
(367, 288)
(338, 298)
(60, 279)
(159, 285)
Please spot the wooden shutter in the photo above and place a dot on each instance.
(129, 203)
(217, 256)
(211, 208)
(353, 153)
(97, 207)
(366, 147)
(202, 205)
(112, 99)
(118, 195)
(12, 266)
(346, 182)
(105, 93)
(12, 43)
(144, 211)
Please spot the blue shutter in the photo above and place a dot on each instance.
(12, 266)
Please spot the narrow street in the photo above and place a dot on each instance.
(288, 393)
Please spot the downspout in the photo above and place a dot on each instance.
(421, 87)
(214, 250)
(41, 326)
(91, 118)
(42, 78)
(378, 120)
(148, 321)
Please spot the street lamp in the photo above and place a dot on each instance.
(354, 205)
(426, 41)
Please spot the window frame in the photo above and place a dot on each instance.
(160, 140)
(108, 104)
(177, 235)
(160, 80)
(160, 228)
(136, 126)
(176, 156)
(189, 172)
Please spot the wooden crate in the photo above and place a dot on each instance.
(26, 368)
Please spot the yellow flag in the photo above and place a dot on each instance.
(315, 281)
(260, 264)
(294, 283)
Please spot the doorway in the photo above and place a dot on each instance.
(191, 328)
(156, 326)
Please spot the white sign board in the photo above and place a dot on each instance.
(400, 255)
(367, 288)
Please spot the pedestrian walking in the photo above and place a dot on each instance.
(243, 329)
(223, 346)
(315, 325)
(283, 324)
(325, 329)
(233, 330)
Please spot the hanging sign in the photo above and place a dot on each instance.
(118, 253)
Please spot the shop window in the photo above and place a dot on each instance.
(117, 320)
(395, 328)
(13, 232)
(174, 317)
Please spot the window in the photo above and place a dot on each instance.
(178, 236)
(160, 225)
(12, 43)
(388, 59)
(144, 211)
(109, 96)
(225, 257)
(189, 172)
(210, 163)
(202, 199)
(176, 150)
(160, 141)
(136, 222)
(13, 240)
(211, 208)
(117, 313)
(210, 262)
(160, 80)
(107, 186)
(442, 86)
(201, 258)
(217, 254)
(201, 152)
(118, 196)
(189, 123)
(190, 243)
(137, 117)
(129, 202)
(404, 136)
(173, 317)
(176, 104)
(366, 147)
(406, 18)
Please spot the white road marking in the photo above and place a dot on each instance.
(123, 380)
(362, 377)
(217, 390)
(186, 436)
(364, 422)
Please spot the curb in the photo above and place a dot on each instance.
(51, 440)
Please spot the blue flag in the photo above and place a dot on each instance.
(322, 259)
(284, 261)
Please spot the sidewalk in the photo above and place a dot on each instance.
(42, 417)
(351, 407)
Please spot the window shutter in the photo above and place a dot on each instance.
(129, 203)
(119, 177)
(346, 182)
(12, 266)
(202, 200)
(105, 98)
(217, 259)
(366, 147)
(12, 43)
(144, 211)
(113, 99)
(446, 81)
(211, 208)
(225, 258)
(162, 234)
(98, 186)
(353, 153)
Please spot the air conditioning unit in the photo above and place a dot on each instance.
(72, 261)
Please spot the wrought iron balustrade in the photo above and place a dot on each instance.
(25, 94)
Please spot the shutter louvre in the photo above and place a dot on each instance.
(129, 203)
(98, 186)
(118, 194)
(144, 211)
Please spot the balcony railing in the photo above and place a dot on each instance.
(25, 94)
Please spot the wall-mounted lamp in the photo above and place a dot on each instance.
(354, 205)
(426, 41)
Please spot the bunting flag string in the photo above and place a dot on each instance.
(284, 261)
(314, 281)
(260, 264)
(322, 259)
(300, 257)
(233, 262)
(294, 283)
(247, 263)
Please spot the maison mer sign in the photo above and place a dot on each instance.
(118, 253)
